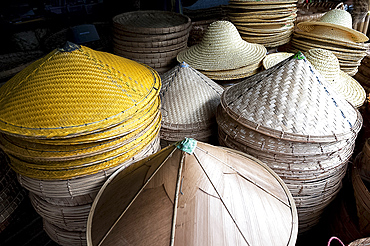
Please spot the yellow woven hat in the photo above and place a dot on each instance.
(222, 48)
(336, 23)
(75, 91)
(328, 66)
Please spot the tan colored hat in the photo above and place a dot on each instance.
(272, 59)
(334, 23)
(328, 66)
(222, 48)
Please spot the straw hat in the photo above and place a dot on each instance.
(222, 48)
(334, 23)
(272, 59)
(328, 65)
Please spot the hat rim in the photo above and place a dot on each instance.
(308, 25)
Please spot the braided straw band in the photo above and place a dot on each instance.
(291, 101)
(337, 22)
(328, 65)
(75, 92)
(222, 48)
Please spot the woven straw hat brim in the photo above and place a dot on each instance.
(74, 169)
(266, 39)
(133, 37)
(82, 185)
(272, 59)
(262, 20)
(253, 2)
(26, 108)
(312, 36)
(273, 12)
(255, 101)
(231, 129)
(33, 152)
(202, 58)
(262, 23)
(262, 6)
(232, 76)
(151, 22)
(356, 36)
(276, 28)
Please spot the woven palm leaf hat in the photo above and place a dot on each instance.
(188, 179)
(69, 120)
(334, 23)
(223, 50)
(189, 101)
(328, 65)
(289, 117)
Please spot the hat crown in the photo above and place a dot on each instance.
(325, 62)
(338, 17)
(225, 33)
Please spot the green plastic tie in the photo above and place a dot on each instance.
(187, 145)
(299, 56)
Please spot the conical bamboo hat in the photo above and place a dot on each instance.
(292, 101)
(193, 193)
(74, 91)
(189, 98)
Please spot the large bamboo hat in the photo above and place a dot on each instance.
(328, 66)
(75, 90)
(334, 23)
(222, 48)
(192, 193)
(290, 101)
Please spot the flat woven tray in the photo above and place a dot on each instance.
(151, 22)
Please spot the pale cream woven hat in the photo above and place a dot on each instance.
(274, 58)
(334, 23)
(328, 66)
(222, 48)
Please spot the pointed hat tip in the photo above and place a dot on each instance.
(187, 145)
(184, 64)
(299, 56)
(69, 47)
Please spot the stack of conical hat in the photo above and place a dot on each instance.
(152, 37)
(333, 31)
(289, 117)
(193, 193)
(11, 193)
(69, 120)
(189, 101)
(270, 23)
(223, 54)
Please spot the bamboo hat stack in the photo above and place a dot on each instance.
(333, 31)
(327, 64)
(11, 193)
(189, 101)
(152, 37)
(68, 121)
(270, 23)
(223, 54)
(289, 117)
(363, 74)
(194, 193)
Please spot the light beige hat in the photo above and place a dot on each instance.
(222, 48)
(334, 23)
(274, 58)
(327, 64)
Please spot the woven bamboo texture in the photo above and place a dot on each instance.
(267, 23)
(64, 237)
(189, 100)
(189, 187)
(313, 10)
(151, 37)
(313, 166)
(360, 242)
